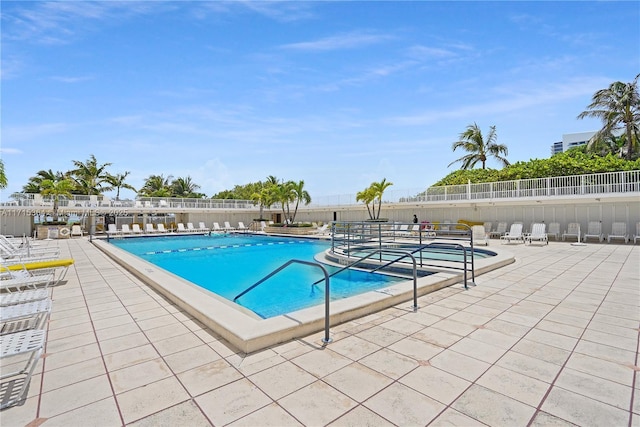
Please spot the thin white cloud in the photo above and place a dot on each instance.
(9, 150)
(71, 79)
(351, 40)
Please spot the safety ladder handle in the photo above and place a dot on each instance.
(327, 338)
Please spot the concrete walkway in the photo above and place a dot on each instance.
(549, 340)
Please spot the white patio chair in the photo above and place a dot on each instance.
(181, 228)
(125, 229)
(21, 297)
(501, 228)
(228, 227)
(217, 228)
(76, 230)
(594, 231)
(637, 235)
(480, 236)
(135, 228)
(618, 231)
(20, 317)
(241, 227)
(573, 230)
(554, 230)
(161, 228)
(538, 234)
(148, 228)
(514, 233)
(15, 383)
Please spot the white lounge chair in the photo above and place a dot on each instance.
(191, 228)
(28, 282)
(322, 230)
(203, 227)
(594, 231)
(112, 230)
(181, 228)
(514, 233)
(479, 235)
(148, 228)
(538, 234)
(135, 228)
(20, 317)
(403, 230)
(15, 382)
(161, 228)
(501, 228)
(217, 228)
(618, 231)
(554, 230)
(228, 226)
(637, 235)
(76, 230)
(21, 297)
(573, 230)
(241, 227)
(263, 225)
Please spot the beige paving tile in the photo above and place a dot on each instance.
(317, 404)
(596, 388)
(622, 374)
(191, 358)
(530, 366)
(402, 325)
(360, 417)
(455, 327)
(354, 347)
(556, 340)
(602, 351)
(144, 401)
(282, 379)
(321, 363)
(74, 396)
(478, 350)
(517, 386)
(404, 406)
(630, 344)
(542, 351)
(437, 337)
(74, 373)
(389, 363)
(416, 349)
(460, 365)
(358, 381)
(130, 357)
(542, 419)
(70, 331)
(182, 414)
(269, 416)
(139, 375)
(209, 376)
(114, 321)
(120, 343)
(380, 336)
(178, 343)
(231, 402)
(69, 342)
(72, 356)
(493, 408)
(101, 413)
(435, 383)
(581, 410)
(451, 417)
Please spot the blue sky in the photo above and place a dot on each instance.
(338, 94)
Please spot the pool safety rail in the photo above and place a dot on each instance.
(350, 239)
(327, 339)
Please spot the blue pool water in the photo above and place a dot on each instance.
(228, 264)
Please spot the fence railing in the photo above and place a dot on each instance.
(575, 185)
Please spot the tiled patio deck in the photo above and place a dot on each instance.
(549, 340)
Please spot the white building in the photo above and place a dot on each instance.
(570, 140)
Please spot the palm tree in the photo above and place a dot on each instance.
(57, 188)
(156, 186)
(117, 181)
(3, 176)
(472, 141)
(367, 197)
(284, 194)
(35, 182)
(377, 189)
(184, 187)
(90, 177)
(300, 195)
(618, 107)
(265, 197)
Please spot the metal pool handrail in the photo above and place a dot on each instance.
(396, 251)
(327, 338)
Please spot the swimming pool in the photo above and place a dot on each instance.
(229, 264)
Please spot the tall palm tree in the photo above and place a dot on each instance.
(300, 195)
(377, 189)
(284, 194)
(479, 149)
(57, 188)
(90, 177)
(367, 196)
(618, 107)
(156, 186)
(184, 187)
(35, 182)
(117, 182)
(3, 176)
